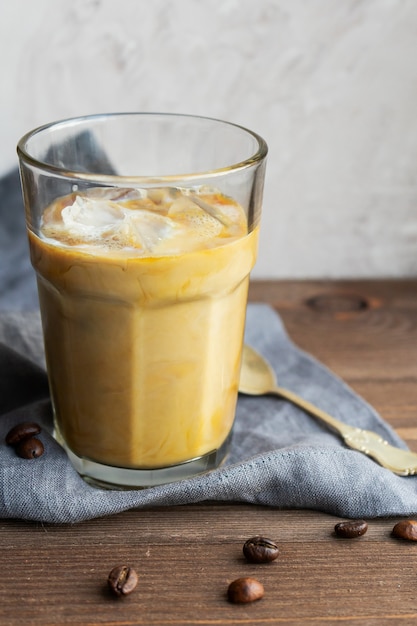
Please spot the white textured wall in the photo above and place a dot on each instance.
(330, 84)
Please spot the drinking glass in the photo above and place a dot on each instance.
(143, 229)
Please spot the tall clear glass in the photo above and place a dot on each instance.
(143, 230)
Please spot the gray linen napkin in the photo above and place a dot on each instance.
(280, 456)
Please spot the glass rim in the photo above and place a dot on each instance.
(62, 172)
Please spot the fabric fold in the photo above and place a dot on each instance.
(280, 456)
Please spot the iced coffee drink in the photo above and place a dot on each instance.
(143, 230)
(143, 298)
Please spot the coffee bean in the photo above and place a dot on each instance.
(243, 590)
(25, 430)
(122, 580)
(260, 550)
(30, 448)
(351, 529)
(406, 529)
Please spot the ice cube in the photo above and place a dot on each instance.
(211, 209)
(145, 229)
(115, 194)
(199, 222)
(91, 218)
(163, 195)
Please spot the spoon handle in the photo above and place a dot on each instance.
(399, 461)
(339, 427)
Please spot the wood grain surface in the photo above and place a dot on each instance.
(366, 332)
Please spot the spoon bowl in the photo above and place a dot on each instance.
(256, 375)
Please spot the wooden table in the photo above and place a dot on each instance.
(364, 331)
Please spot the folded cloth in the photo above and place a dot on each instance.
(17, 278)
(280, 456)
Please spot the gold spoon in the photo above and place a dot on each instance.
(258, 378)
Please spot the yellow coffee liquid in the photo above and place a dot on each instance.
(143, 348)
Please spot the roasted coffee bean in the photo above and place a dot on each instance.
(351, 528)
(260, 550)
(30, 448)
(122, 580)
(25, 430)
(406, 529)
(243, 590)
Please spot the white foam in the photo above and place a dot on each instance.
(163, 221)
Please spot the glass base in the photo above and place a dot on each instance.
(109, 477)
